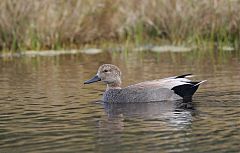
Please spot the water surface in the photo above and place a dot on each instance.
(45, 109)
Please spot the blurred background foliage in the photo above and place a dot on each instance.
(57, 24)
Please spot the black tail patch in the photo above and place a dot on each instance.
(186, 90)
(183, 76)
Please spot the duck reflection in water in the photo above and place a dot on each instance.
(171, 114)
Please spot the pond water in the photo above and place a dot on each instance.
(45, 109)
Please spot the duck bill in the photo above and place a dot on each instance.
(94, 79)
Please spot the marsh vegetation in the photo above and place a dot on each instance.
(64, 24)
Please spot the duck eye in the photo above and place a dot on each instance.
(105, 70)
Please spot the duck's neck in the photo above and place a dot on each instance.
(115, 85)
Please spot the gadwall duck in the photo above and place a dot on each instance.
(171, 88)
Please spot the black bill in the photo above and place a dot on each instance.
(94, 79)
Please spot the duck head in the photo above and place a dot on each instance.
(109, 74)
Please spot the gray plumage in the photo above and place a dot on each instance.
(139, 95)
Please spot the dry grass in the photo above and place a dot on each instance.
(39, 24)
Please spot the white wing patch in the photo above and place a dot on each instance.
(168, 83)
(172, 82)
